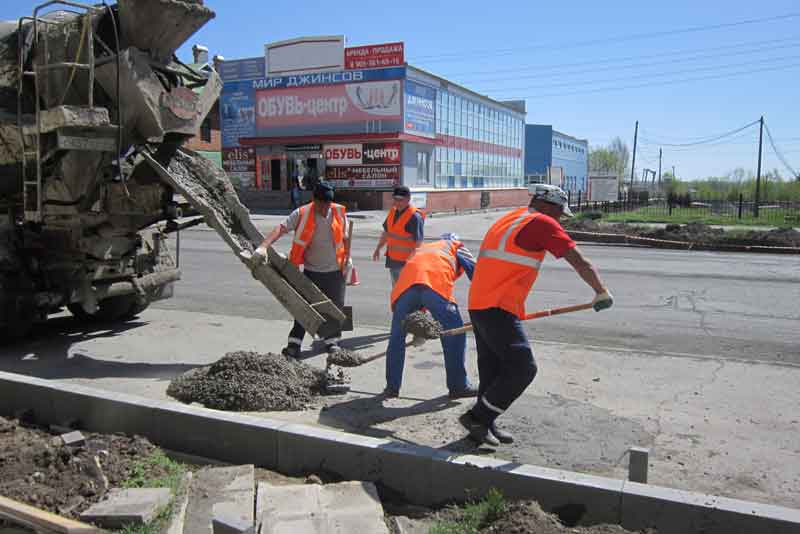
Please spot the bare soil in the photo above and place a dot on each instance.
(527, 517)
(698, 233)
(61, 479)
(248, 381)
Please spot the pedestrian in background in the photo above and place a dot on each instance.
(508, 264)
(403, 232)
(319, 247)
(294, 194)
(428, 280)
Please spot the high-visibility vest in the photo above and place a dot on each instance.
(304, 232)
(505, 273)
(399, 243)
(434, 265)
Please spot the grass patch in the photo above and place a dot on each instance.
(170, 475)
(767, 217)
(473, 516)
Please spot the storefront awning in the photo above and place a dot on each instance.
(335, 138)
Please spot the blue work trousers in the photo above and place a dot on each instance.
(444, 311)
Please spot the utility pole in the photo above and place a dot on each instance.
(659, 166)
(635, 138)
(675, 178)
(758, 172)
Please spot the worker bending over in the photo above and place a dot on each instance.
(508, 264)
(428, 279)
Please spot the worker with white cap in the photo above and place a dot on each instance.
(508, 264)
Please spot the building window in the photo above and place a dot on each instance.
(205, 130)
(423, 174)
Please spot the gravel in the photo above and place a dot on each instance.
(249, 381)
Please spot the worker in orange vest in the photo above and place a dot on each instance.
(428, 280)
(319, 247)
(508, 264)
(403, 231)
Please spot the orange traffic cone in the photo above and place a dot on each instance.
(353, 281)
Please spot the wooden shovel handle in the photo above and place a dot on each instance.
(379, 355)
(535, 315)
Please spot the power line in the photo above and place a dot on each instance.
(618, 59)
(662, 75)
(660, 84)
(472, 55)
(649, 64)
(780, 156)
(703, 143)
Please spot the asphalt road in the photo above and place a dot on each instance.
(693, 304)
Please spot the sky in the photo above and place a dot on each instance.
(688, 71)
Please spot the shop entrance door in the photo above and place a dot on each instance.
(269, 174)
(275, 174)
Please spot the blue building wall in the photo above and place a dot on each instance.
(571, 155)
(545, 147)
(538, 148)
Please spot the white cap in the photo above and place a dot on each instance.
(552, 194)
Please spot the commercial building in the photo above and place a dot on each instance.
(556, 158)
(364, 119)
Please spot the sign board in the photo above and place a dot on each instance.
(374, 56)
(420, 200)
(304, 148)
(240, 164)
(237, 109)
(603, 188)
(420, 109)
(362, 154)
(288, 111)
(305, 54)
(376, 176)
(243, 69)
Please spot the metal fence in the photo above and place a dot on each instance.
(686, 208)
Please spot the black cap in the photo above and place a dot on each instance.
(401, 191)
(323, 191)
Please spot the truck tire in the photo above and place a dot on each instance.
(122, 308)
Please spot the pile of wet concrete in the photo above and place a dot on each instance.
(249, 381)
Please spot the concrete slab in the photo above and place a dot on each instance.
(137, 506)
(315, 509)
(234, 486)
(407, 525)
(178, 518)
(232, 518)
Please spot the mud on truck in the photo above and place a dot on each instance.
(92, 101)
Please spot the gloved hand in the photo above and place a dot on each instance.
(602, 300)
(260, 255)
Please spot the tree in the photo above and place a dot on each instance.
(602, 160)
(623, 155)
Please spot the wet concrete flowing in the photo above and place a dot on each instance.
(249, 381)
(345, 358)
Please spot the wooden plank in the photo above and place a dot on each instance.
(42, 521)
(305, 287)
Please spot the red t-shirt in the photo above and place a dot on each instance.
(545, 233)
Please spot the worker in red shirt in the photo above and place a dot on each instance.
(508, 264)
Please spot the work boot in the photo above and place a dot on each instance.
(291, 351)
(467, 392)
(478, 431)
(390, 393)
(501, 435)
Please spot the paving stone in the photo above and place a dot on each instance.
(73, 439)
(136, 506)
(406, 525)
(227, 492)
(315, 509)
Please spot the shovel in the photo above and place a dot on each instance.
(355, 360)
(527, 317)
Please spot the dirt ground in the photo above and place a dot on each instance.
(248, 381)
(66, 480)
(694, 233)
(527, 517)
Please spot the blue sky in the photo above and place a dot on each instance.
(591, 69)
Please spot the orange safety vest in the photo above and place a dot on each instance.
(399, 243)
(505, 273)
(304, 232)
(434, 265)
